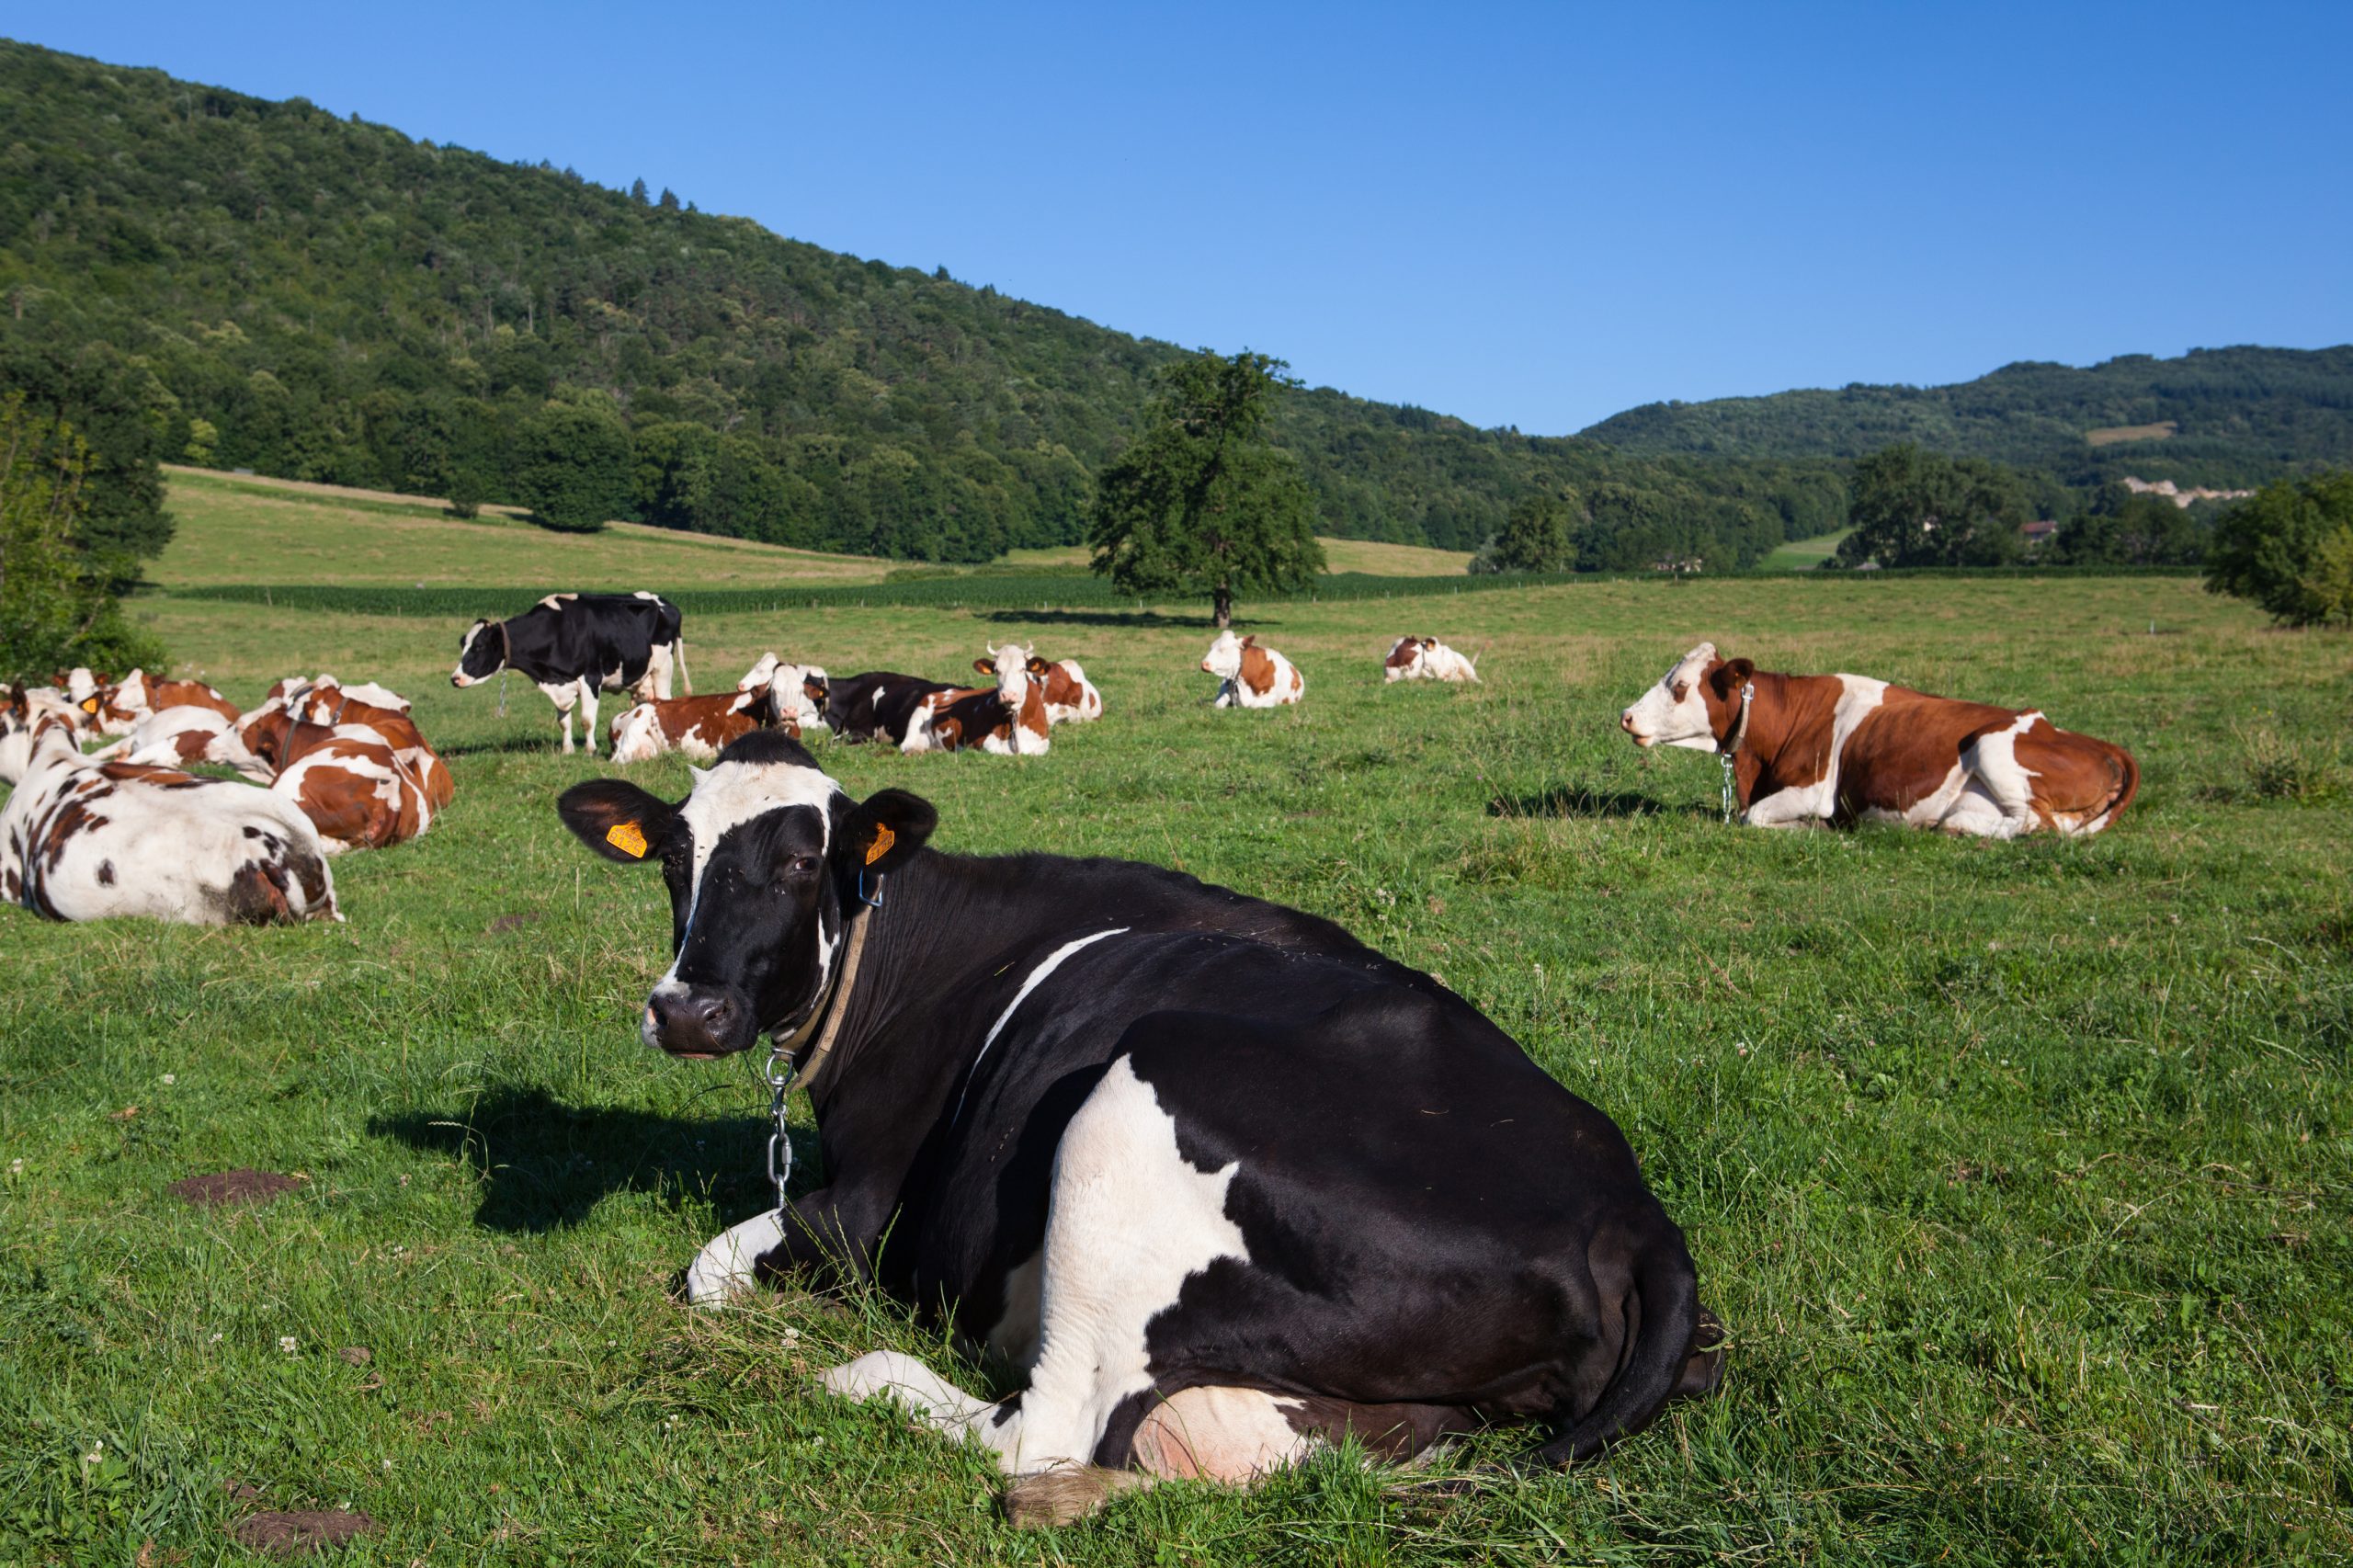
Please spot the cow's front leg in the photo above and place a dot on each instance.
(826, 1231)
(1784, 808)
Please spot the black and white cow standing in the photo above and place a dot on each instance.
(574, 645)
(1225, 1181)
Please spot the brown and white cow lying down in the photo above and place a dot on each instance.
(1249, 676)
(140, 695)
(799, 691)
(1847, 748)
(86, 840)
(1071, 698)
(1007, 719)
(1426, 658)
(699, 727)
(346, 778)
(179, 738)
(344, 707)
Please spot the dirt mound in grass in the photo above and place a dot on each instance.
(223, 1188)
(287, 1534)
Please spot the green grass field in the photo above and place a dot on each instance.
(1803, 554)
(2020, 1173)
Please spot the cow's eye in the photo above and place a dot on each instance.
(803, 865)
(1682, 689)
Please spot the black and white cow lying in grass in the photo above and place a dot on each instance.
(1224, 1181)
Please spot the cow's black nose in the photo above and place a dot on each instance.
(694, 1022)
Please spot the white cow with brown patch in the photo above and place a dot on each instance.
(180, 737)
(1426, 658)
(88, 840)
(1251, 676)
(1842, 748)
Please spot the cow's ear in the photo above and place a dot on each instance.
(616, 818)
(1251, 640)
(883, 831)
(1731, 676)
(986, 666)
(1038, 666)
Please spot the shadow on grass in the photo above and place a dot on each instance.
(1563, 801)
(1098, 617)
(545, 1165)
(510, 745)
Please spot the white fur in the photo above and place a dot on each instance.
(154, 741)
(1432, 660)
(723, 1268)
(1129, 1221)
(1224, 660)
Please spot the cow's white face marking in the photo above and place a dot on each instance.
(1012, 678)
(1674, 712)
(725, 797)
(465, 646)
(1224, 657)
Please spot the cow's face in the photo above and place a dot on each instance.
(1009, 666)
(1406, 653)
(1692, 705)
(1224, 658)
(763, 860)
(635, 734)
(479, 655)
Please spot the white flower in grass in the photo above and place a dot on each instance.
(15, 1167)
(215, 1339)
(170, 1078)
(287, 1343)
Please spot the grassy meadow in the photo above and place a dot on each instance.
(2019, 1172)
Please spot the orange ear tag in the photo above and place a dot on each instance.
(89, 705)
(625, 837)
(884, 839)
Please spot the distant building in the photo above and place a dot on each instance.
(2038, 533)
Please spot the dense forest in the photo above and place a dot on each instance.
(273, 287)
(2221, 418)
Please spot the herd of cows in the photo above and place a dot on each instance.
(1224, 1183)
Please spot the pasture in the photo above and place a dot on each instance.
(2019, 1172)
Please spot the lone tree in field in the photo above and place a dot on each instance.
(58, 597)
(1917, 508)
(1203, 504)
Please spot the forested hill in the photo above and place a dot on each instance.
(2220, 417)
(270, 287)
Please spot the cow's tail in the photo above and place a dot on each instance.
(1668, 1298)
(678, 652)
(2124, 793)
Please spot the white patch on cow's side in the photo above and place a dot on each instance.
(1129, 1221)
(1859, 697)
(2006, 783)
(1036, 978)
(723, 1268)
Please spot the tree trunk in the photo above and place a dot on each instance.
(1224, 607)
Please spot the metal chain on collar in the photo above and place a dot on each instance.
(779, 1075)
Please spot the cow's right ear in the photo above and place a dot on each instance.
(616, 818)
(1731, 676)
(883, 831)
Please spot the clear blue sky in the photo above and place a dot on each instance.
(1533, 215)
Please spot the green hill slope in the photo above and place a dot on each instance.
(2220, 417)
(327, 300)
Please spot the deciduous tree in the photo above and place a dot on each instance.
(2289, 549)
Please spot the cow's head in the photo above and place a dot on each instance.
(1224, 658)
(30, 726)
(480, 655)
(1695, 705)
(636, 734)
(763, 861)
(1407, 653)
(1010, 667)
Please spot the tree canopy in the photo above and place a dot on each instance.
(2289, 549)
(1201, 504)
(1917, 508)
(58, 603)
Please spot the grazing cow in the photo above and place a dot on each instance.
(1249, 676)
(1071, 698)
(801, 692)
(346, 778)
(879, 705)
(139, 695)
(1847, 748)
(86, 840)
(344, 707)
(574, 645)
(177, 737)
(1426, 658)
(1222, 1180)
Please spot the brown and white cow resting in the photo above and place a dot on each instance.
(1843, 748)
(84, 840)
(1426, 658)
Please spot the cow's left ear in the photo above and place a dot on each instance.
(616, 818)
(1728, 677)
(986, 666)
(883, 831)
(1038, 666)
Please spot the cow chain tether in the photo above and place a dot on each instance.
(780, 1075)
(1732, 744)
